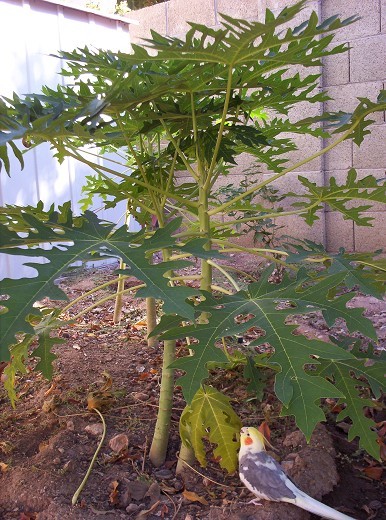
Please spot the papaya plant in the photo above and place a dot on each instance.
(179, 113)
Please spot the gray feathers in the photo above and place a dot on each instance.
(264, 477)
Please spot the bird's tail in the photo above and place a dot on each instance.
(308, 503)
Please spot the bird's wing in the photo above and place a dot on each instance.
(262, 475)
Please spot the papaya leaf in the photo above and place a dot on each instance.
(362, 270)
(151, 89)
(358, 118)
(350, 375)
(19, 354)
(46, 343)
(338, 196)
(257, 378)
(211, 416)
(297, 389)
(75, 241)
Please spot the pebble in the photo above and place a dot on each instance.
(294, 439)
(68, 466)
(375, 504)
(164, 474)
(70, 426)
(178, 485)
(132, 508)
(119, 443)
(95, 429)
(140, 396)
(137, 489)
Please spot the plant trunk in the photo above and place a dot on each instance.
(151, 320)
(160, 441)
(119, 298)
(186, 453)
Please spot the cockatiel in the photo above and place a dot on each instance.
(262, 475)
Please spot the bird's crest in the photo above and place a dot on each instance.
(250, 436)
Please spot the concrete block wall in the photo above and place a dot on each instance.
(361, 72)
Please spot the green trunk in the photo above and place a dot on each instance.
(160, 441)
(119, 298)
(151, 320)
(186, 453)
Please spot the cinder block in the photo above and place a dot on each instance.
(372, 151)
(153, 17)
(302, 71)
(305, 108)
(339, 157)
(199, 11)
(339, 232)
(290, 227)
(371, 238)
(341, 177)
(367, 59)
(296, 227)
(336, 68)
(383, 16)
(278, 5)
(345, 97)
(384, 112)
(245, 9)
(307, 147)
(290, 183)
(235, 180)
(368, 10)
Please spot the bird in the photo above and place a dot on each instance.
(265, 478)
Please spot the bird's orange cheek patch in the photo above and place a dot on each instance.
(248, 441)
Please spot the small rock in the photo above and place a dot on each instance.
(119, 443)
(164, 474)
(188, 517)
(154, 492)
(69, 466)
(294, 439)
(140, 396)
(125, 499)
(70, 426)
(95, 429)
(375, 504)
(132, 508)
(178, 485)
(137, 489)
(49, 405)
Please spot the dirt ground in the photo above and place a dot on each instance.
(47, 442)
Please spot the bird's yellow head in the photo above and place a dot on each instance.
(251, 440)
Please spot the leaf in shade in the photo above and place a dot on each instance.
(211, 416)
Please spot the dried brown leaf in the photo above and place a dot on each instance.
(193, 497)
(373, 472)
(113, 497)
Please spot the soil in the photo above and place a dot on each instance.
(48, 441)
